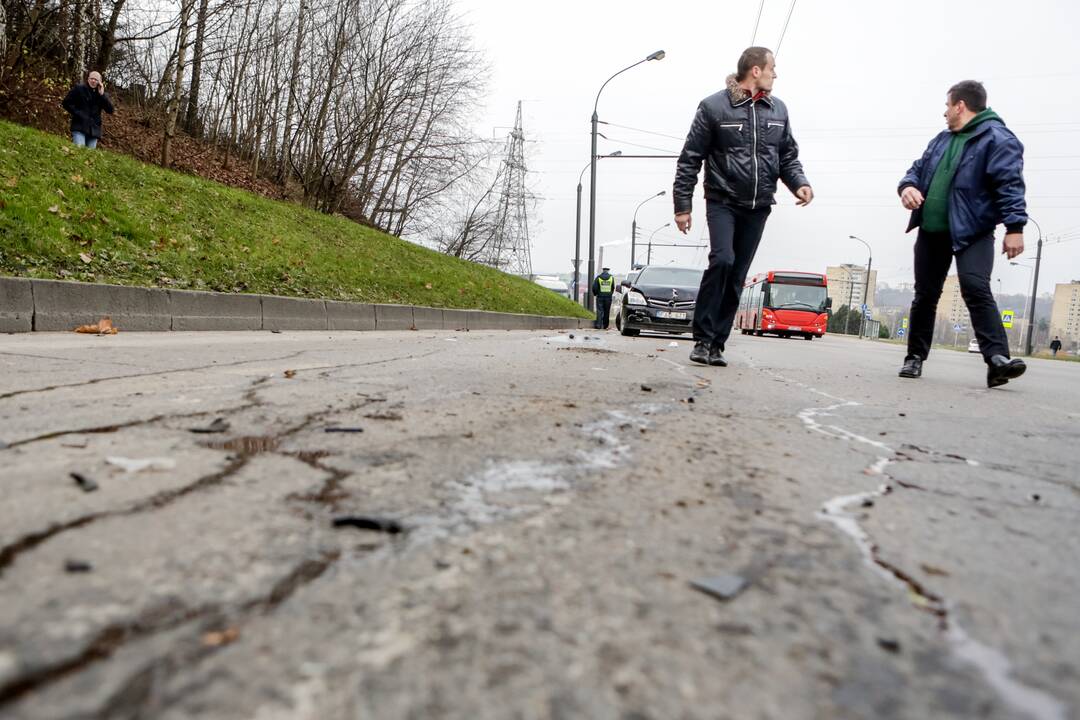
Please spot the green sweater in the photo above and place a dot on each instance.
(935, 209)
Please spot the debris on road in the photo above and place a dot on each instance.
(290, 374)
(722, 587)
(385, 415)
(369, 522)
(77, 566)
(646, 388)
(134, 465)
(87, 484)
(337, 429)
(219, 425)
(103, 326)
(673, 344)
(1036, 498)
(889, 644)
(219, 638)
(931, 570)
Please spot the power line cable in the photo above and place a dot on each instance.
(784, 31)
(753, 38)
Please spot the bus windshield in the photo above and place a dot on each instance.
(795, 297)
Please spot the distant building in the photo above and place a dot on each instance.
(951, 308)
(1065, 315)
(847, 284)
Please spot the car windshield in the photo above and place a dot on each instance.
(796, 297)
(670, 277)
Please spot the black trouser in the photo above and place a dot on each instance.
(603, 311)
(734, 234)
(933, 256)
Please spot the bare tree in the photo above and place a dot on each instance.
(172, 108)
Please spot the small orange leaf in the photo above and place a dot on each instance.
(290, 374)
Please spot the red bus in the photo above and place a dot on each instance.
(784, 303)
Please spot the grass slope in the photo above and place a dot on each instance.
(96, 216)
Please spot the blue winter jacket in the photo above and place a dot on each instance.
(987, 189)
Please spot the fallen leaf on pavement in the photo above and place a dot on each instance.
(224, 637)
(103, 326)
(290, 374)
(132, 465)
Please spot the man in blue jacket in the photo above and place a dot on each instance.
(743, 137)
(84, 103)
(969, 180)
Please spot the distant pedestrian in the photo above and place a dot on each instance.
(84, 103)
(743, 137)
(967, 182)
(1055, 345)
(603, 288)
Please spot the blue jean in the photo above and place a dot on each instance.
(82, 141)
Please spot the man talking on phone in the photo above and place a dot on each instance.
(743, 136)
(84, 103)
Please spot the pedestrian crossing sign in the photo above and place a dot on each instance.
(1007, 318)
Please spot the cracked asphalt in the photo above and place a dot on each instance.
(908, 547)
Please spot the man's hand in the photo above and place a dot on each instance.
(682, 221)
(101, 88)
(805, 195)
(911, 198)
(1013, 245)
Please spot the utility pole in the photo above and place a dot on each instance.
(1034, 286)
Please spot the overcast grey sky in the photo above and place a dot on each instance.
(864, 82)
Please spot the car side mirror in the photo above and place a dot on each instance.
(828, 303)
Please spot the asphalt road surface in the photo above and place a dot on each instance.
(520, 518)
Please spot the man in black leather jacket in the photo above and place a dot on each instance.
(743, 136)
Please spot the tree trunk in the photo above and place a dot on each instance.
(78, 48)
(290, 105)
(108, 37)
(191, 117)
(173, 106)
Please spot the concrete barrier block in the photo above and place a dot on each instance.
(425, 318)
(456, 320)
(60, 306)
(195, 310)
(286, 313)
(16, 305)
(393, 317)
(350, 315)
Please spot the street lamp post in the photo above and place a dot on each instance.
(648, 259)
(1034, 285)
(1027, 317)
(866, 287)
(633, 226)
(658, 55)
(577, 228)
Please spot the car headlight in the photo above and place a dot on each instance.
(635, 298)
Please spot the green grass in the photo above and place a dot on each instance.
(97, 216)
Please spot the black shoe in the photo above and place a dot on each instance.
(700, 353)
(716, 357)
(1001, 370)
(912, 367)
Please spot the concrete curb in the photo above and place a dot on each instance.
(56, 305)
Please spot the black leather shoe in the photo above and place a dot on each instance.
(912, 367)
(1001, 370)
(700, 353)
(716, 357)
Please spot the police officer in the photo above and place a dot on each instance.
(603, 288)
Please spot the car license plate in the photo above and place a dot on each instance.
(794, 328)
(671, 315)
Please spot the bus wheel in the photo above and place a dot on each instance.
(809, 336)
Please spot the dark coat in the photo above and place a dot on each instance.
(987, 189)
(746, 146)
(85, 104)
